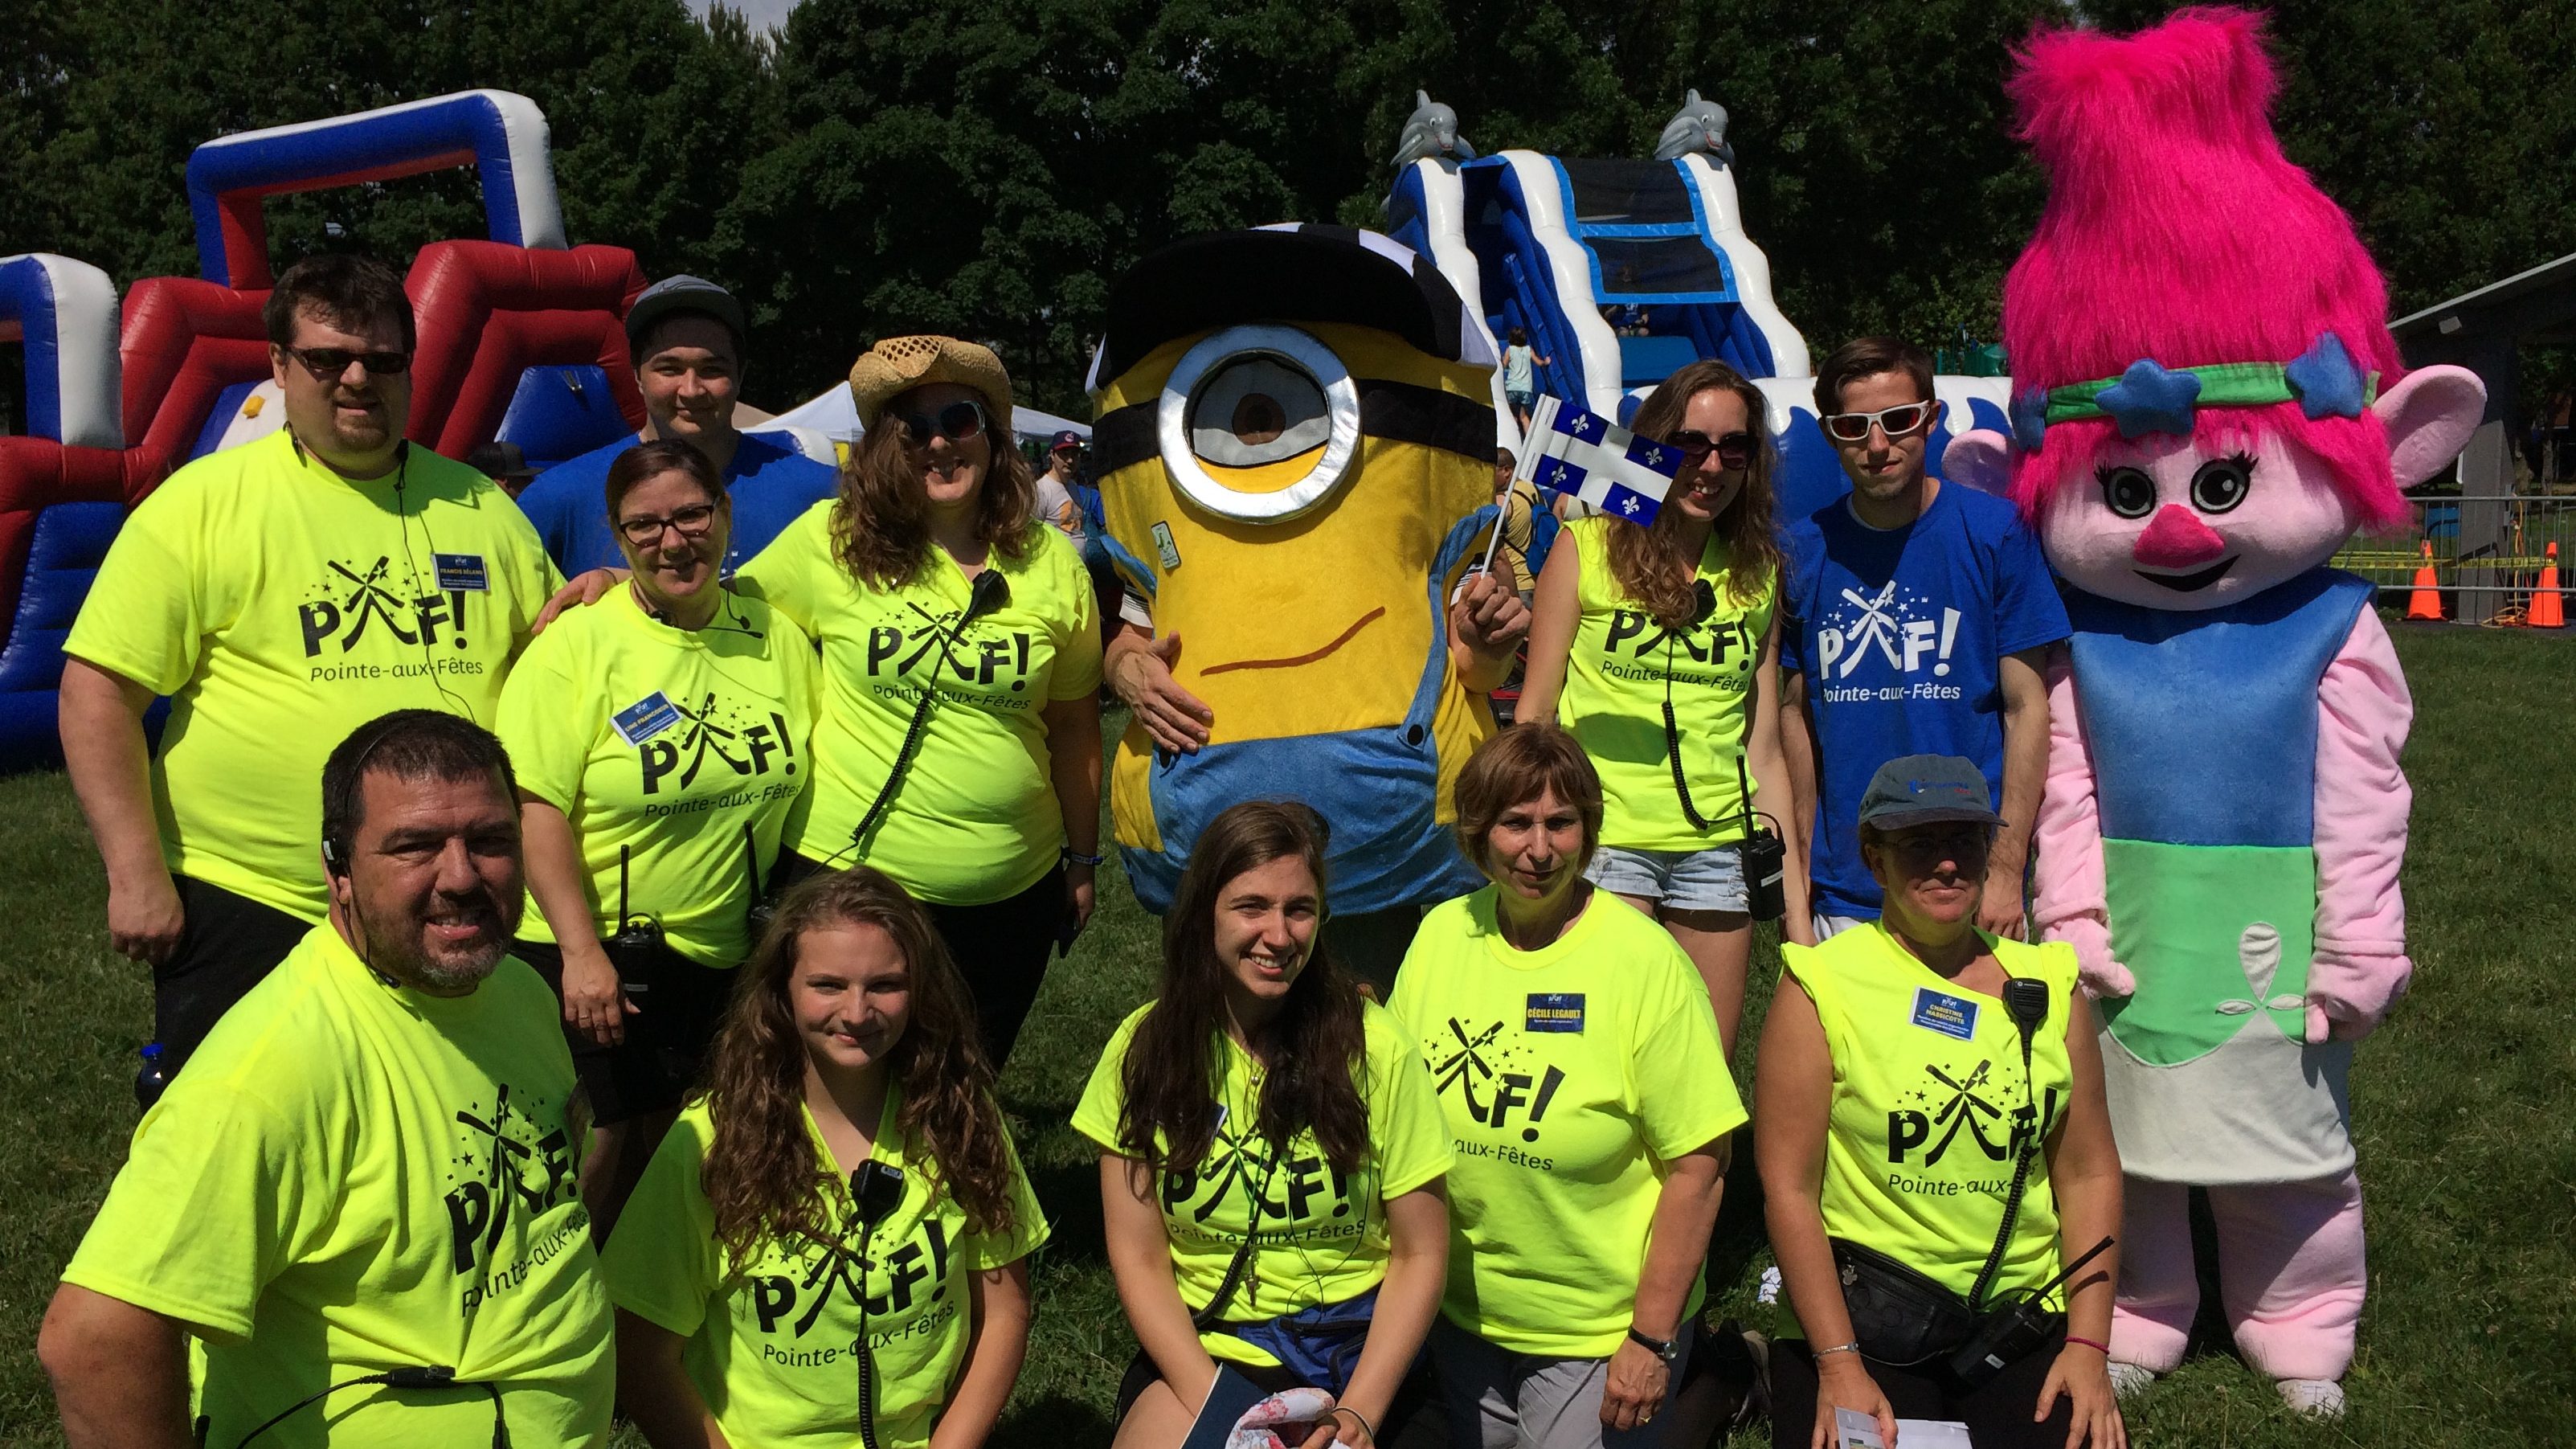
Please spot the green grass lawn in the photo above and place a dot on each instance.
(2463, 1105)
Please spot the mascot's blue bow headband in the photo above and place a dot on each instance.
(2150, 398)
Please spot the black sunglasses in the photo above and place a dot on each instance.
(1733, 450)
(328, 363)
(956, 422)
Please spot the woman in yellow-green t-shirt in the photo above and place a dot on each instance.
(831, 1248)
(957, 736)
(1580, 1076)
(1657, 645)
(958, 748)
(1260, 1090)
(1922, 1085)
(659, 738)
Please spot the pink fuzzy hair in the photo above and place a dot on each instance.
(2175, 229)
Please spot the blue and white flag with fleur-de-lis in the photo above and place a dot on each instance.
(1596, 460)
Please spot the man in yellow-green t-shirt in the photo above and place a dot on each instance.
(280, 593)
(360, 1200)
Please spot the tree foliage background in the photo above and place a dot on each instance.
(989, 168)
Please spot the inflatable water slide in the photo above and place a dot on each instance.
(521, 340)
(1623, 271)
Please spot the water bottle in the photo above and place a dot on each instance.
(150, 1082)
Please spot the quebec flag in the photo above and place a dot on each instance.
(1605, 465)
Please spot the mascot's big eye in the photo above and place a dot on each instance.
(2128, 492)
(2221, 485)
(1258, 397)
(1257, 409)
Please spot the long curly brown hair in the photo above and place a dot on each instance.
(881, 523)
(762, 1175)
(1313, 1046)
(1648, 561)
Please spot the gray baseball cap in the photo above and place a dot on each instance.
(1926, 790)
(682, 293)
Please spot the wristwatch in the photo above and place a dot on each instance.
(1072, 856)
(1667, 1349)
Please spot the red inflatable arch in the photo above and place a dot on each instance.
(489, 311)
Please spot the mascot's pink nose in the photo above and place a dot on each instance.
(2177, 540)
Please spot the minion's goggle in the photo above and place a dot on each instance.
(1256, 393)
(2151, 398)
(1261, 394)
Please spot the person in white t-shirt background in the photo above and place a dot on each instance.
(1520, 378)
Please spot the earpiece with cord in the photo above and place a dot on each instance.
(991, 592)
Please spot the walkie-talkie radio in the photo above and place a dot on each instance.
(1766, 858)
(638, 937)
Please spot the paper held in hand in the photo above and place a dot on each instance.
(1859, 1431)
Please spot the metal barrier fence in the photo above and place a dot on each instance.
(2489, 554)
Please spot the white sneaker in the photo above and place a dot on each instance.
(2313, 1398)
(2128, 1380)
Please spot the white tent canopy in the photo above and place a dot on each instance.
(834, 415)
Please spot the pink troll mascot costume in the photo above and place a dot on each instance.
(2207, 405)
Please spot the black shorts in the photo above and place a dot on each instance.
(1001, 948)
(1997, 1413)
(227, 944)
(680, 1005)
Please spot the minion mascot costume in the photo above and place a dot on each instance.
(1294, 446)
(2207, 405)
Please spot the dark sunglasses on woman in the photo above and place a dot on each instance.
(1903, 420)
(956, 422)
(1733, 450)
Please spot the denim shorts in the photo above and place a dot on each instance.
(1686, 880)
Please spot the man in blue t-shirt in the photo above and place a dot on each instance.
(1916, 620)
(686, 338)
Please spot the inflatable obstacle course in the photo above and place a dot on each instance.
(521, 339)
(1623, 271)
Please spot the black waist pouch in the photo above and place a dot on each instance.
(1898, 1315)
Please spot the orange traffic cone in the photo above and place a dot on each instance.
(2548, 606)
(2426, 601)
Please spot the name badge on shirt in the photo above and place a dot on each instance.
(1163, 545)
(1949, 1015)
(461, 571)
(645, 718)
(1554, 1011)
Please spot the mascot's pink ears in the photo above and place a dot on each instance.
(2428, 416)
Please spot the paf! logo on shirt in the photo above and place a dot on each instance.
(1947, 1105)
(1895, 634)
(983, 656)
(749, 741)
(353, 602)
(1301, 1187)
(507, 1160)
(1496, 1075)
(1701, 651)
(889, 1286)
